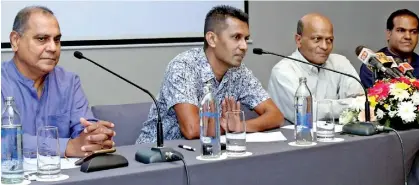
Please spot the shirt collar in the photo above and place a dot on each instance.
(308, 68)
(19, 76)
(206, 71)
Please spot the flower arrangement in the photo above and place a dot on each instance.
(394, 103)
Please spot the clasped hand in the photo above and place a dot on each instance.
(95, 136)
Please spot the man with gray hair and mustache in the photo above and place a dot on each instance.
(46, 94)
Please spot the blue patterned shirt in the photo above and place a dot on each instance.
(184, 81)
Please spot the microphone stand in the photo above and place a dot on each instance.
(158, 153)
(260, 51)
(374, 74)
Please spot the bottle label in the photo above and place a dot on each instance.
(10, 138)
(8, 132)
(304, 120)
(209, 114)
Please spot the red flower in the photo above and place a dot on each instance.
(380, 89)
(405, 80)
(394, 80)
(379, 82)
(416, 84)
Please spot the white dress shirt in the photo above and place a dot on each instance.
(323, 84)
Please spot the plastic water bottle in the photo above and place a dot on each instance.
(209, 125)
(303, 114)
(11, 144)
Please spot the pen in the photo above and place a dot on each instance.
(187, 147)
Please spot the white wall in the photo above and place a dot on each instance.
(120, 19)
(272, 26)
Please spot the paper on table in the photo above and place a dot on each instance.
(261, 137)
(288, 127)
(338, 128)
(29, 164)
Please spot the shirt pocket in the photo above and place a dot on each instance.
(62, 122)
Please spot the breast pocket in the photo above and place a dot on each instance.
(62, 122)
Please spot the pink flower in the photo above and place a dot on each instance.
(380, 89)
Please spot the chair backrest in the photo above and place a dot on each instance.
(128, 120)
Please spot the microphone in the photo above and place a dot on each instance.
(388, 63)
(158, 153)
(260, 51)
(394, 66)
(405, 68)
(383, 59)
(368, 57)
(361, 128)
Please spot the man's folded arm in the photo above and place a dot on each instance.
(181, 96)
(80, 109)
(256, 97)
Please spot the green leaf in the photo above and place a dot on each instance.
(387, 123)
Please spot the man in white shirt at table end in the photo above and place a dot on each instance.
(314, 40)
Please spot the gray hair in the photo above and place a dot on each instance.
(300, 27)
(22, 17)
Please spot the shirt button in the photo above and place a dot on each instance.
(314, 70)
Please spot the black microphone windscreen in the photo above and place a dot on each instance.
(359, 49)
(258, 51)
(78, 54)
